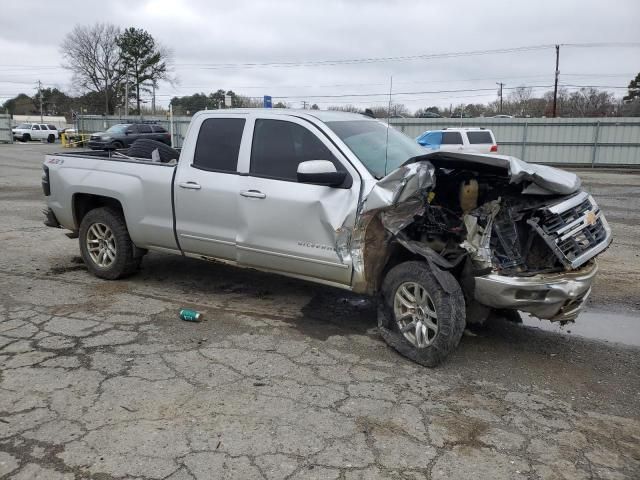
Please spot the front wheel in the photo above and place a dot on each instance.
(105, 245)
(422, 314)
(26, 137)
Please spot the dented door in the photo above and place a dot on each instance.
(289, 226)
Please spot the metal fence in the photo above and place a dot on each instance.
(577, 141)
(98, 123)
(5, 129)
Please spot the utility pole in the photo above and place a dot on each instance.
(40, 95)
(555, 86)
(126, 93)
(153, 100)
(500, 93)
(304, 104)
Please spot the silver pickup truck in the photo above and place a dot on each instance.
(441, 238)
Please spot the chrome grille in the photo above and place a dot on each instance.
(575, 229)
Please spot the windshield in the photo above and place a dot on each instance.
(120, 128)
(368, 141)
(25, 126)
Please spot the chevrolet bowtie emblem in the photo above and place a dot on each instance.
(590, 218)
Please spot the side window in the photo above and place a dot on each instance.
(132, 129)
(144, 129)
(279, 146)
(158, 129)
(218, 144)
(43, 127)
(434, 138)
(35, 127)
(480, 137)
(451, 138)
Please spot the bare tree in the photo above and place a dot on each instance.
(93, 55)
(590, 102)
(344, 108)
(520, 99)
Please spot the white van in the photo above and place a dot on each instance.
(472, 140)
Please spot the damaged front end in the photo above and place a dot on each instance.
(515, 235)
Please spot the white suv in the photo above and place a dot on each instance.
(473, 140)
(35, 131)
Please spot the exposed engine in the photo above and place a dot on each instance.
(478, 212)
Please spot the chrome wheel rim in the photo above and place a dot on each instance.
(101, 245)
(415, 314)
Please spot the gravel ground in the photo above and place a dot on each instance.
(286, 379)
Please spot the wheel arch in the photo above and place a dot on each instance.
(83, 203)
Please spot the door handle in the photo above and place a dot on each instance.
(189, 185)
(253, 194)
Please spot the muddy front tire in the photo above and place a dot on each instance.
(422, 312)
(105, 245)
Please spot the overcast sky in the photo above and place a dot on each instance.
(203, 33)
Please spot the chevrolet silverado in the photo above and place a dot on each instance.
(440, 238)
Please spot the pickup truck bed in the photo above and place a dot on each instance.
(146, 187)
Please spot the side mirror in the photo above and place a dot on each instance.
(320, 172)
(127, 132)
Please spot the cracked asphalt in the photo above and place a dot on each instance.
(285, 379)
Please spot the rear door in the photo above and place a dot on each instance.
(144, 131)
(452, 141)
(206, 189)
(480, 141)
(289, 226)
(36, 133)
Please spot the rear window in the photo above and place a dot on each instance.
(52, 127)
(218, 144)
(158, 129)
(480, 137)
(451, 138)
(144, 129)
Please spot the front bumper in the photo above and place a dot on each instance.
(556, 297)
(50, 219)
(98, 145)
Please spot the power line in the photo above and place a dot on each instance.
(351, 61)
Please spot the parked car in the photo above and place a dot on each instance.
(429, 115)
(124, 134)
(502, 116)
(35, 131)
(341, 199)
(476, 140)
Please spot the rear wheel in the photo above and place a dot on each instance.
(105, 245)
(51, 138)
(418, 317)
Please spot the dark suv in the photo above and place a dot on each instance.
(124, 134)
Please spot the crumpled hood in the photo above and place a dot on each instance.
(418, 174)
(545, 180)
